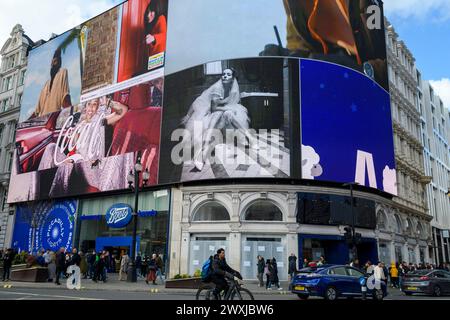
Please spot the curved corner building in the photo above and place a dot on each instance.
(261, 127)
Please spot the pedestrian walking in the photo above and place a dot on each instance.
(160, 268)
(7, 259)
(138, 265)
(321, 261)
(393, 270)
(267, 270)
(83, 265)
(123, 266)
(51, 266)
(274, 274)
(60, 264)
(151, 276)
(292, 266)
(305, 263)
(260, 267)
(369, 267)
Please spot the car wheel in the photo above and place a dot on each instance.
(437, 291)
(303, 296)
(331, 294)
(378, 295)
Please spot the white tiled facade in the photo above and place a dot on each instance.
(435, 136)
(12, 74)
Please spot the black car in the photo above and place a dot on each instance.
(431, 282)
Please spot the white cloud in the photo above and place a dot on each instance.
(442, 88)
(431, 10)
(42, 18)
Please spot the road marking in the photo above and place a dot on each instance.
(46, 295)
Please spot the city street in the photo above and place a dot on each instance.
(20, 291)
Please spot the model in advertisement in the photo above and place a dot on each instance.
(155, 23)
(338, 31)
(81, 162)
(56, 92)
(218, 107)
(143, 31)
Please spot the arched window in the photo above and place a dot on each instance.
(263, 210)
(398, 224)
(420, 231)
(409, 226)
(211, 211)
(381, 220)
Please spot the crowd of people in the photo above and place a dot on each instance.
(93, 265)
(269, 269)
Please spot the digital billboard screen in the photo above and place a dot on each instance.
(204, 89)
(348, 33)
(228, 119)
(346, 127)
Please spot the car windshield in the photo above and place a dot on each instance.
(34, 122)
(419, 273)
(310, 270)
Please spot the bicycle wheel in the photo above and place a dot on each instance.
(242, 294)
(205, 292)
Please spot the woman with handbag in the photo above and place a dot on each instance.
(152, 267)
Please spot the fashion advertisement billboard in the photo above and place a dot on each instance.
(94, 148)
(47, 225)
(347, 133)
(349, 33)
(122, 43)
(228, 119)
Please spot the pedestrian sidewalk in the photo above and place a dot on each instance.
(113, 284)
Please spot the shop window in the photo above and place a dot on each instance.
(211, 211)
(263, 211)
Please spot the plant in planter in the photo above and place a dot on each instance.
(197, 273)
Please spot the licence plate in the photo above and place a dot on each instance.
(299, 288)
(411, 288)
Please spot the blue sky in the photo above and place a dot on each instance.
(424, 25)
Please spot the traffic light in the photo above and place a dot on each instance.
(348, 235)
(357, 238)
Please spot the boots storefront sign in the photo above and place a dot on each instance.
(119, 215)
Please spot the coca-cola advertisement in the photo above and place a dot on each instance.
(92, 146)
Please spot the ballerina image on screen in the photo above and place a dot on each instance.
(218, 107)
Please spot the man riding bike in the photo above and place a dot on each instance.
(220, 271)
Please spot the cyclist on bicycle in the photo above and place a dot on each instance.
(220, 271)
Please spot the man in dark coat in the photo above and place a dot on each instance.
(292, 265)
(261, 266)
(220, 271)
(7, 258)
(60, 264)
(75, 259)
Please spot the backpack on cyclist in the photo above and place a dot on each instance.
(207, 269)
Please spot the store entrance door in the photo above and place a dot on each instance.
(268, 248)
(202, 247)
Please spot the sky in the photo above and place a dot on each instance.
(423, 25)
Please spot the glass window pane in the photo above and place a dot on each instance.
(211, 211)
(263, 211)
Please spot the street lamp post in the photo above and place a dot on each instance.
(353, 230)
(133, 182)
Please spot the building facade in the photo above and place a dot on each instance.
(435, 137)
(12, 75)
(404, 225)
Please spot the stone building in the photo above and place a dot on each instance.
(404, 225)
(14, 54)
